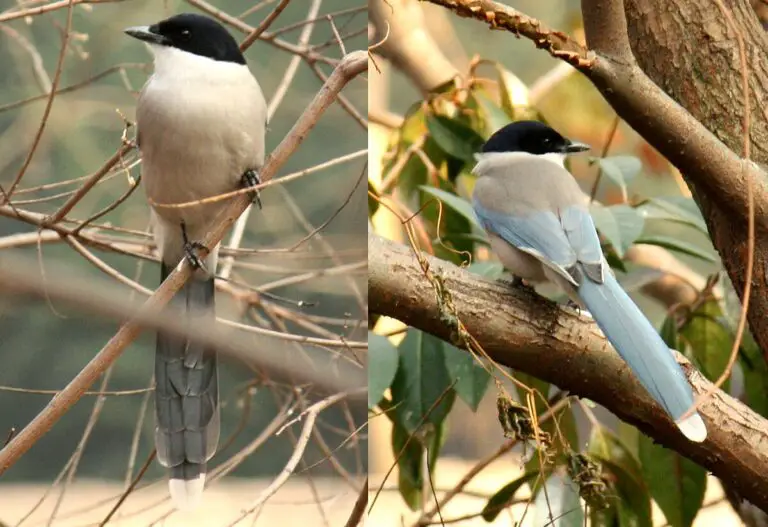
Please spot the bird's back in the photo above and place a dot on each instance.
(522, 183)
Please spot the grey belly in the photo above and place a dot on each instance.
(519, 263)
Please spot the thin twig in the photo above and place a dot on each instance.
(310, 415)
(48, 105)
(349, 67)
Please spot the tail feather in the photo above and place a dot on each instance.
(638, 343)
(187, 397)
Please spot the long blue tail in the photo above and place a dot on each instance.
(638, 343)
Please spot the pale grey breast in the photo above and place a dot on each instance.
(201, 135)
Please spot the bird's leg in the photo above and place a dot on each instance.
(516, 281)
(191, 248)
(251, 179)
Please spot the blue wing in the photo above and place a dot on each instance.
(558, 241)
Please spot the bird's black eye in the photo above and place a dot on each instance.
(186, 34)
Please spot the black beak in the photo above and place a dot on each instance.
(145, 33)
(572, 147)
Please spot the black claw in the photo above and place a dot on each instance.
(516, 281)
(191, 248)
(574, 305)
(251, 179)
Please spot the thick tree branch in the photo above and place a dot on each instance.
(666, 125)
(521, 330)
(691, 89)
(408, 42)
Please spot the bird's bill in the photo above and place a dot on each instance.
(145, 34)
(574, 147)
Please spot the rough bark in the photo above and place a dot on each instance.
(517, 328)
(689, 50)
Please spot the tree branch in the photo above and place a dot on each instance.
(519, 329)
(349, 67)
(666, 125)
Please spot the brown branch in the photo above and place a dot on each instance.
(48, 105)
(309, 416)
(349, 67)
(256, 33)
(89, 184)
(500, 16)
(666, 125)
(359, 509)
(526, 332)
(405, 41)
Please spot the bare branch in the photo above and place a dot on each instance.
(349, 67)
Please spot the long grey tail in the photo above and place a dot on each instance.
(638, 343)
(187, 396)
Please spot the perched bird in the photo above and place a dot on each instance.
(201, 120)
(538, 222)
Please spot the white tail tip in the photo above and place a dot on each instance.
(186, 493)
(693, 428)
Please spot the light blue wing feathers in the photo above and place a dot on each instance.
(559, 241)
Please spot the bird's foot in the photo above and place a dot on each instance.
(251, 179)
(580, 309)
(191, 248)
(516, 281)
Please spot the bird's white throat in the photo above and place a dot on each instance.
(491, 159)
(173, 63)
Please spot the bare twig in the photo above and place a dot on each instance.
(44, 119)
(351, 66)
(310, 415)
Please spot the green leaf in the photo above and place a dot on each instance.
(560, 507)
(676, 483)
(669, 333)
(382, 367)
(513, 91)
(533, 383)
(605, 446)
(471, 379)
(436, 442)
(620, 169)
(454, 138)
(456, 231)
(421, 380)
(456, 203)
(494, 117)
(501, 499)
(674, 244)
(409, 453)
(710, 340)
(620, 224)
(489, 269)
(631, 503)
(674, 208)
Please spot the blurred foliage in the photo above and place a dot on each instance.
(427, 182)
(42, 346)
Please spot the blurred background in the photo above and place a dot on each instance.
(315, 287)
(483, 79)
